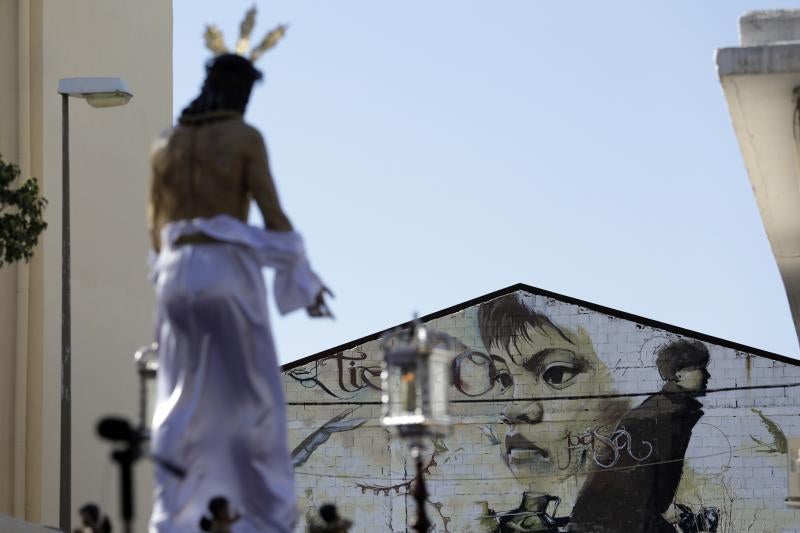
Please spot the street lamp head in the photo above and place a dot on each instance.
(108, 99)
(98, 92)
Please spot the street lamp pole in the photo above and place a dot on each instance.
(98, 92)
(65, 477)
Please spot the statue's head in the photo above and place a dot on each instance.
(227, 87)
(230, 76)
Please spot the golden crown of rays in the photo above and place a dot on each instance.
(216, 43)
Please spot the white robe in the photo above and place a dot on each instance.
(220, 412)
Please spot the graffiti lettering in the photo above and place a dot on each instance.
(606, 450)
(351, 376)
(359, 376)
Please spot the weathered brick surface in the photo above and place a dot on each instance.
(577, 372)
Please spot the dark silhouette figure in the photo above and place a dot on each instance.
(633, 495)
(93, 520)
(222, 518)
(331, 521)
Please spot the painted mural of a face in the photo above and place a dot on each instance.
(550, 365)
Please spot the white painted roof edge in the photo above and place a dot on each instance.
(778, 58)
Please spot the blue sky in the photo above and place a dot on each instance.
(432, 152)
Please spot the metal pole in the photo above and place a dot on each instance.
(420, 493)
(65, 474)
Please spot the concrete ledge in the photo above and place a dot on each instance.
(768, 59)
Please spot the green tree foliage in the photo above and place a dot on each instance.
(21, 220)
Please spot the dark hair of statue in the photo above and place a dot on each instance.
(229, 82)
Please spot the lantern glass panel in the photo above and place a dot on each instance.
(439, 382)
(401, 384)
(408, 390)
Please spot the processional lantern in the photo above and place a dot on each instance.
(415, 380)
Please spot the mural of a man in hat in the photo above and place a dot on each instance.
(633, 495)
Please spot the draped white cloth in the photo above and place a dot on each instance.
(220, 411)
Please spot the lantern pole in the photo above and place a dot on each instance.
(420, 493)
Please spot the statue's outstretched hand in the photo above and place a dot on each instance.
(320, 309)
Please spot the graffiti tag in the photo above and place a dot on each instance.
(606, 450)
(352, 377)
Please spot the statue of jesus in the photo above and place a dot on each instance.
(220, 411)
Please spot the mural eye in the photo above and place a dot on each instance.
(560, 375)
(505, 381)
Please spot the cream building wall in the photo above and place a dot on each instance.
(8, 275)
(42, 41)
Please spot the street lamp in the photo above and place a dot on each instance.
(98, 92)
(415, 380)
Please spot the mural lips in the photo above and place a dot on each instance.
(521, 450)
